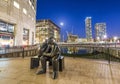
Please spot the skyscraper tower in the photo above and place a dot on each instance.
(88, 26)
(100, 30)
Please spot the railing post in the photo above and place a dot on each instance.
(5, 50)
(23, 53)
(109, 57)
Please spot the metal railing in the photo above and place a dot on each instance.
(33, 49)
(18, 49)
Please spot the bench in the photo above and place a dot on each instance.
(34, 62)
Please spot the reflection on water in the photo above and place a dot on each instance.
(76, 50)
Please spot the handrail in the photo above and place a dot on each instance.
(17, 49)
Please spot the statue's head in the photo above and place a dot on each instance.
(51, 40)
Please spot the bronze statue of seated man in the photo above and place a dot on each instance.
(49, 51)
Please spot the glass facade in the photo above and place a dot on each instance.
(6, 27)
(100, 30)
(6, 33)
(88, 24)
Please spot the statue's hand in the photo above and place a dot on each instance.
(47, 54)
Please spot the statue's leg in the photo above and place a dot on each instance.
(55, 65)
(43, 64)
(50, 62)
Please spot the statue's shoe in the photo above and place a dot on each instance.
(55, 75)
(40, 72)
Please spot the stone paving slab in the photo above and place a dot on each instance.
(77, 71)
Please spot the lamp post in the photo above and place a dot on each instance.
(107, 49)
(115, 40)
(105, 38)
(39, 35)
(98, 39)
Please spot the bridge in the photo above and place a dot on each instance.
(92, 44)
(112, 49)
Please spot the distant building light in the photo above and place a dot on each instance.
(88, 17)
(24, 11)
(16, 4)
(105, 36)
(98, 38)
(115, 38)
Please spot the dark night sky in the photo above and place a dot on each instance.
(74, 12)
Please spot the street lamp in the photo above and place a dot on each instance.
(107, 52)
(105, 37)
(115, 40)
(98, 39)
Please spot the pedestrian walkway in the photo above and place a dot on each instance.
(77, 71)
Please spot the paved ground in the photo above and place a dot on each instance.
(77, 71)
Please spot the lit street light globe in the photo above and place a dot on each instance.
(62, 24)
(115, 38)
(105, 36)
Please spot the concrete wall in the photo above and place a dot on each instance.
(10, 14)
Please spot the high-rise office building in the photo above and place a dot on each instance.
(45, 29)
(88, 25)
(100, 31)
(17, 22)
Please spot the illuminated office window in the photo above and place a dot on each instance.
(16, 4)
(30, 3)
(6, 27)
(24, 11)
